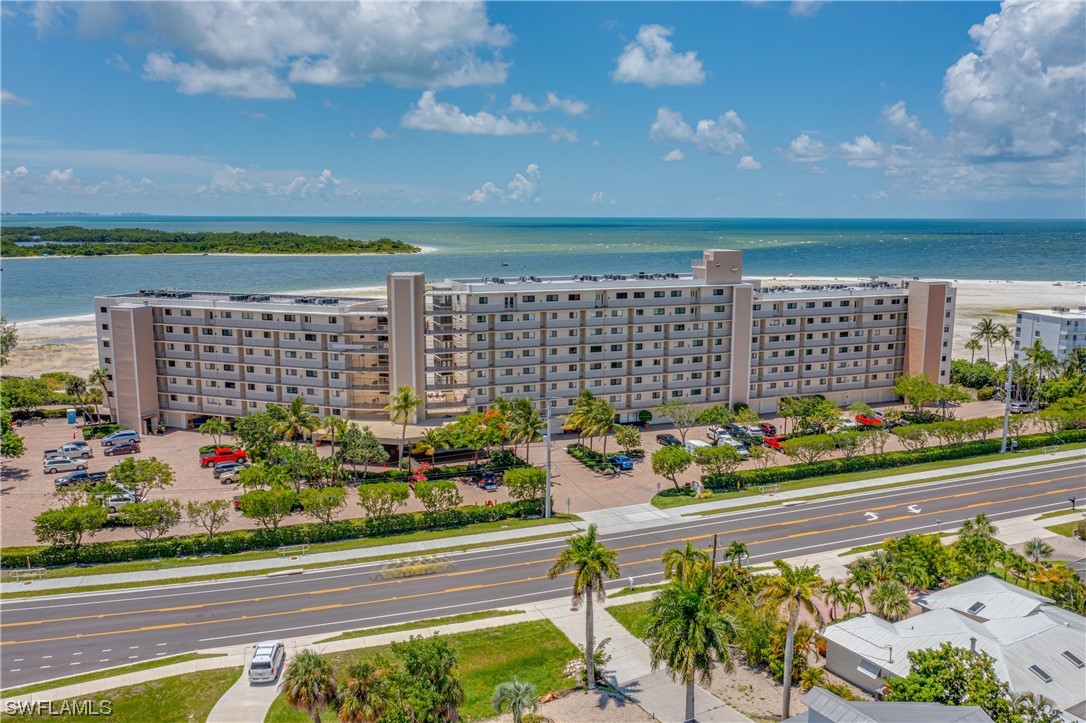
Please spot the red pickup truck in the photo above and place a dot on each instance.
(775, 442)
(222, 454)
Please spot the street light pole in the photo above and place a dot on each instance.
(547, 438)
(1007, 405)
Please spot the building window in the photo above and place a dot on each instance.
(574, 297)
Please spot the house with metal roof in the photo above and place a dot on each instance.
(825, 707)
(1036, 647)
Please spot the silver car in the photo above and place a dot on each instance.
(267, 662)
(53, 465)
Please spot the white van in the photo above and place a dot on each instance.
(695, 444)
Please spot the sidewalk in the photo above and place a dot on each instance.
(631, 666)
(616, 519)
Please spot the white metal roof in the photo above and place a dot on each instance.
(998, 599)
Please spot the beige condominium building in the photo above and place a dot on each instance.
(708, 337)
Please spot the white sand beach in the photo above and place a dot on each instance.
(68, 343)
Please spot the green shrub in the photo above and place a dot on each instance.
(499, 460)
(595, 461)
(97, 431)
(245, 540)
(887, 460)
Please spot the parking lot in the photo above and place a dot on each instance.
(26, 490)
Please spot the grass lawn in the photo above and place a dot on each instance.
(416, 625)
(634, 590)
(1057, 513)
(179, 699)
(356, 544)
(256, 573)
(633, 616)
(1066, 529)
(820, 481)
(536, 652)
(99, 674)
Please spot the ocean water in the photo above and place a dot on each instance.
(473, 247)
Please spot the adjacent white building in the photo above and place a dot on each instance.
(1059, 329)
(1037, 647)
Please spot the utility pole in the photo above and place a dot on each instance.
(712, 570)
(547, 439)
(1007, 405)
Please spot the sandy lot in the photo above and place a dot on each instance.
(585, 707)
(68, 345)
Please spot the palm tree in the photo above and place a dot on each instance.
(431, 441)
(1037, 550)
(833, 593)
(362, 698)
(689, 634)
(684, 563)
(518, 695)
(1003, 336)
(76, 387)
(850, 597)
(985, 331)
(1042, 359)
(299, 421)
(401, 408)
(795, 587)
(860, 575)
(309, 683)
(890, 600)
(1075, 363)
(972, 346)
(100, 376)
(1033, 706)
(602, 419)
(215, 428)
(335, 428)
(592, 563)
(525, 424)
(736, 552)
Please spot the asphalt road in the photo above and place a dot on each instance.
(47, 638)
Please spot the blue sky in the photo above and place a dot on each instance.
(722, 109)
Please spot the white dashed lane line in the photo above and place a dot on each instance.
(133, 647)
(133, 657)
(45, 666)
(18, 660)
(15, 670)
(73, 663)
(160, 645)
(46, 657)
(77, 653)
(104, 660)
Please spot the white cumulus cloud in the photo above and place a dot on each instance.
(747, 163)
(805, 149)
(651, 60)
(431, 115)
(379, 134)
(675, 154)
(520, 103)
(9, 98)
(721, 136)
(257, 49)
(862, 152)
(525, 187)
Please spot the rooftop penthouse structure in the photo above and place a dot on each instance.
(707, 337)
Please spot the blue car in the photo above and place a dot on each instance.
(621, 461)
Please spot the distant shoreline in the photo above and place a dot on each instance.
(421, 250)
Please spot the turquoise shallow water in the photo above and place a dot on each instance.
(966, 249)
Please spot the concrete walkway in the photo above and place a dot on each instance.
(617, 519)
(631, 666)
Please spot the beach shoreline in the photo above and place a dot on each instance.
(68, 343)
(421, 250)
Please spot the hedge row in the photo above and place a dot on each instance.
(245, 540)
(97, 431)
(595, 461)
(887, 460)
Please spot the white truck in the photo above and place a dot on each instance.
(71, 449)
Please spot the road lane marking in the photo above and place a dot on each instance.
(914, 509)
(171, 590)
(349, 588)
(160, 645)
(15, 670)
(433, 593)
(871, 516)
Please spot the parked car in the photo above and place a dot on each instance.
(231, 476)
(775, 441)
(118, 500)
(1022, 408)
(668, 440)
(80, 477)
(124, 435)
(847, 424)
(715, 432)
(769, 430)
(53, 465)
(222, 454)
(739, 447)
(871, 421)
(621, 461)
(122, 448)
(750, 434)
(267, 662)
(71, 449)
(692, 446)
(228, 467)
